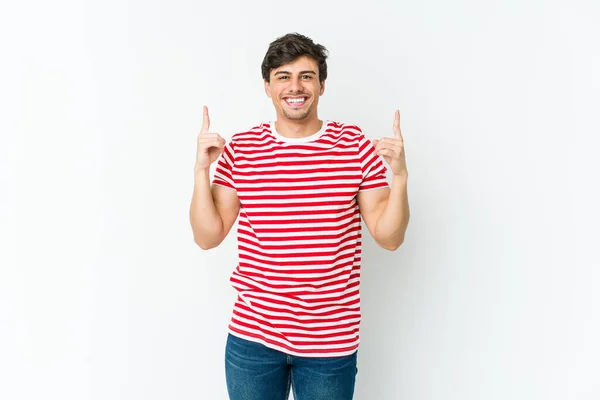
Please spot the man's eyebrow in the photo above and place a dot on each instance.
(301, 72)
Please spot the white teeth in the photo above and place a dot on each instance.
(301, 100)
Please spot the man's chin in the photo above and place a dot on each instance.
(295, 116)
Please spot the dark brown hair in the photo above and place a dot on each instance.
(289, 48)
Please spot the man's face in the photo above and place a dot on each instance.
(295, 89)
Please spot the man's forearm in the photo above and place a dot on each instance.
(206, 222)
(393, 220)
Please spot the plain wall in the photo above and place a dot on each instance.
(493, 295)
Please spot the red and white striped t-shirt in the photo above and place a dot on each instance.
(299, 235)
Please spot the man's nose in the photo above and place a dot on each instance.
(295, 85)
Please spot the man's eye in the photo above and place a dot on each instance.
(282, 77)
(306, 76)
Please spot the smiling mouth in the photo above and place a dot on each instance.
(295, 102)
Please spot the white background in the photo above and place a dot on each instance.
(495, 292)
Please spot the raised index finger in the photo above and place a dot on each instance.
(205, 120)
(397, 132)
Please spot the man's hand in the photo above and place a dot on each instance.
(392, 149)
(210, 145)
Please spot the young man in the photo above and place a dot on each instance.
(300, 186)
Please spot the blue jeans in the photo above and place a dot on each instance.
(256, 372)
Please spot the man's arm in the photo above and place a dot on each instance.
(214, 209)
(386, 213)
(212, 212)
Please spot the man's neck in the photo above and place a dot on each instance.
(298, 129)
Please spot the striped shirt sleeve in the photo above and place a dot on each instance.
(224, 171)
(373, 169)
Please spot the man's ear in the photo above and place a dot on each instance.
(268, 89)
(322, 88)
